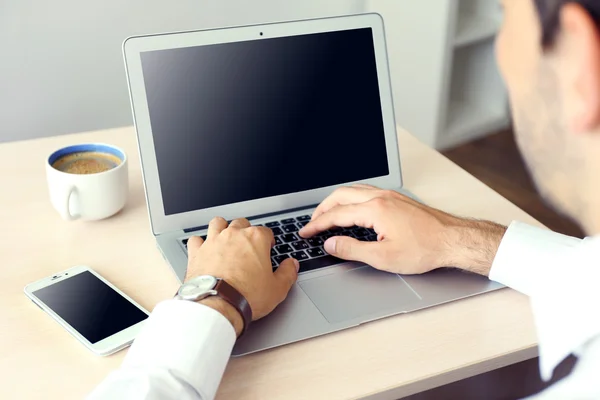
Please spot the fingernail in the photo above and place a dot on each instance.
(330, 245)
(297, 264)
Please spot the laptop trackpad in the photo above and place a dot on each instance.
(358, 293)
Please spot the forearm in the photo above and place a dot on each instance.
(471, 245)
(516, 256)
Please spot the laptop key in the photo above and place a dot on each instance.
(273, 253)
(185, 241)
(325, 237)
(299, 255)
(290, 228)
(280, 259)
(288, 221)
(360, 232)
(303, 218)
(315, 242)
(302, 224)
(272, 224)
(300, 245)
(372, 238)
(277, 231)
(289, 238)
(273, 262)
(278, 240)
(316, 252)
(319, 262)
(284, 248)
(336, 229)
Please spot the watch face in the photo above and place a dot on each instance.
(205, 282)
(197, 286)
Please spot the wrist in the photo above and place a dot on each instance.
(227, 310)
(471, 245)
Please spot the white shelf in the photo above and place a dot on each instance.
(451, 90)
(472, 28)
(467, 121)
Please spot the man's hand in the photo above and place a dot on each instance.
(240, 254)
(412, 238)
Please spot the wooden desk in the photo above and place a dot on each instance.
(386, 359)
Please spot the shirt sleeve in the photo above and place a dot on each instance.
(583, 381)
(527, 253)
(181, 353)
(560, 274)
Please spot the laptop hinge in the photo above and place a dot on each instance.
(291, 210)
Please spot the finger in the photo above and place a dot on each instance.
(364, 186)
(348, 248)
(268, 235)
(216, 226)
(286, 276)
(240, 223)
(342, 196)
(194, 243)
(341, 215)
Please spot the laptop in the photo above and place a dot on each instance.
(265, 122)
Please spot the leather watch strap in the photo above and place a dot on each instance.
(235, 298)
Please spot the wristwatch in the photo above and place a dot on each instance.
(201, 287)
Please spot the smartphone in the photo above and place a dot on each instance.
(95, 312)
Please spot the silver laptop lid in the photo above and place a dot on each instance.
(249, 120)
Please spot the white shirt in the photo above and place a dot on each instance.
(184, 348)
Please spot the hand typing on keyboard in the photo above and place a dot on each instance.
(411, 238)
(309, 252)
(239, 254)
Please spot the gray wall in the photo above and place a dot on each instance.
(61, 69)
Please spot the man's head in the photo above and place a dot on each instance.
(549, 55)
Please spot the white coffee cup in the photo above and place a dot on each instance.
(89, 196)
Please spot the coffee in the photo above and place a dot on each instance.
(86, 162)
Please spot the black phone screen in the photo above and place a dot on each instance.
(90, 306)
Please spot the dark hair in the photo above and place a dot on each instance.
(549, 11)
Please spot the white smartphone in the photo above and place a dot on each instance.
(95, 312)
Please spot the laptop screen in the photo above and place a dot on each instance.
(248, 120)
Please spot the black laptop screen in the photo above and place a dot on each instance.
(248, 120)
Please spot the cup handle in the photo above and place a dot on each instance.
(66, 212)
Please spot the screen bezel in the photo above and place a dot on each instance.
(134, 46)
(103, 347)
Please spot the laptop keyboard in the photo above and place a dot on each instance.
(309, 252)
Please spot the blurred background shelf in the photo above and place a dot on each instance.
(477, 20)
(472, 29)
(446, 85)
(469, 121)
(476, 98)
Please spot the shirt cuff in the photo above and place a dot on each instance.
(565, 306)
(527, 253)
(560, 275)
(192, 341)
